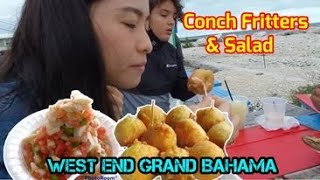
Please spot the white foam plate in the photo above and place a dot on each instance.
(12, 150)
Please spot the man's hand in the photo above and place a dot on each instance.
(315, 97)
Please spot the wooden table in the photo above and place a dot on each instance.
(291, 110)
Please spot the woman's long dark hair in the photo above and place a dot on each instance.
(54, 51)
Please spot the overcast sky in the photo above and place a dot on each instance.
(10, 10)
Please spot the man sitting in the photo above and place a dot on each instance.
(315, 97)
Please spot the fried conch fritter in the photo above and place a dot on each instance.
(209, 117)
(137, 151)
(206, 149)
(161, 136)
(129, 129)
(220, 133)
(189, 132)
(176, 152)
(178, 113)
(145, 115)
(198, 78)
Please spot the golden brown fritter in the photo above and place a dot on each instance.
(178, 177)
(220, 133)
(129, 129)
(208, 117)
(189, 132)
(145, 115)
(199, 78)
(161, 136)
(178, 113)
(206, 149)
(137, 151)
(176, 152)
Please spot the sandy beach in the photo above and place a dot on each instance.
(296, 62)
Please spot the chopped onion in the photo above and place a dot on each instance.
(79, 132)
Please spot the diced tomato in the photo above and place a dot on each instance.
(84, 148)
(74, 123)
(74, 139)
(102, 133)
(57, 135)
(63, 176)
(69, 150)
(44, 150)
(42, 142)
(60, 149)
(36, 175)
(59, 141)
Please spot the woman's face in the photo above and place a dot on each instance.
(120, 26)
(162, 20)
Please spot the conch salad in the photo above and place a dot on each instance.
(70, 130)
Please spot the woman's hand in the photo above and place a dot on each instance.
(117, 101)
(218, 102)
(221, 104)
(206, 102)
(315, 97)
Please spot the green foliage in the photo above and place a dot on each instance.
(301, 90)
(187, 43)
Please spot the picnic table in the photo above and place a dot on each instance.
(291, 110)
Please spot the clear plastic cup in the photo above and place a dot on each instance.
(274, 109)
(238, 107)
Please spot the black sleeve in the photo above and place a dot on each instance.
(180, 91)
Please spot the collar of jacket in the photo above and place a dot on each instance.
(156, 42)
